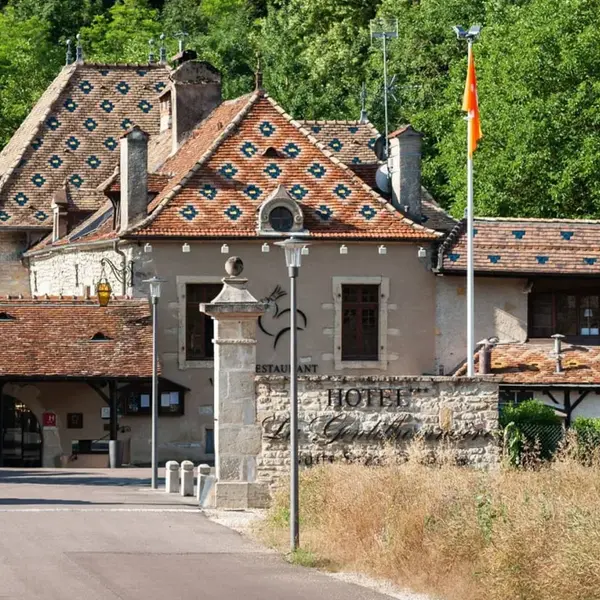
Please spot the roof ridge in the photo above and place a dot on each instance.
(387, 205)
(120, 65)
(537, 220)
(50, 96)
(200, 162)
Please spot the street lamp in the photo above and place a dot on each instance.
(103, 291)
(154, 287)
(293, 258)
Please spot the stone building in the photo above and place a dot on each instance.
(143, 170)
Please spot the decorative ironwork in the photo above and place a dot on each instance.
(124, 274)
(277, 313)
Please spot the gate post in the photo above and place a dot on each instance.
(238, 436)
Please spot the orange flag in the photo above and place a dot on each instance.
(470, 104)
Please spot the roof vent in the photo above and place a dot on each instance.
(6, 317)
(272, 152)
(100, 337)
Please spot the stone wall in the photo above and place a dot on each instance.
(363, 419)
(14, 277)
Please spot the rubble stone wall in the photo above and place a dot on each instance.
(365, 419)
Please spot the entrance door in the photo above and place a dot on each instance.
(21, 435)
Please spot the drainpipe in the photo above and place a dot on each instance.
(557, 353)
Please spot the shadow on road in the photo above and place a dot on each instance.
(75, 478)
(47, 501)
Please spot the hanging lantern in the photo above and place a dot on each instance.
(103, 291)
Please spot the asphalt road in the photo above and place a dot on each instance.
(102, 535)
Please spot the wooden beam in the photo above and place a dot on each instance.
(549, 394)
(579, 400)
(99, 391)
(568, 408)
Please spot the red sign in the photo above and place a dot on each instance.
(49, 419)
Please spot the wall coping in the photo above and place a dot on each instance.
(380, 378)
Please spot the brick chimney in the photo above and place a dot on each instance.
(133, 205)
(60, 215)
(405, 166)
(194, 93)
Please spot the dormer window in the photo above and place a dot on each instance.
(281, 219)
(280, 214)
(4, 316)
(272, 152)
(100, 337)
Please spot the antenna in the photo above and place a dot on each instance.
(385, 29)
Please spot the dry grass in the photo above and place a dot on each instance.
(454, 532)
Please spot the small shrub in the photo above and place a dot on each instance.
(587, 438)
(531, 428)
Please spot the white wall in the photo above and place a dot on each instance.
(500, 310)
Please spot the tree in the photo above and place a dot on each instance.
(28, 62)
(122, 34)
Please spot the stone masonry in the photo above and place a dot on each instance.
(364, 419)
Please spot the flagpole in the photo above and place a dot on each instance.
(470, 274)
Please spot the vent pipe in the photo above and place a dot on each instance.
(557, 353)
(485, 355)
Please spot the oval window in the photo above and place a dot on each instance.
(281, 219)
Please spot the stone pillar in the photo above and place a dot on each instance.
(237, 433)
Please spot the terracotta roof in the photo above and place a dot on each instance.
(434, 216)
(72, 134)
(350, 141)
(240, 155)
(532, 363)
(527, 246)
(53, 338)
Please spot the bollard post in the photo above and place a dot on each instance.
(187, 478)
(172, 477)
(205, 483)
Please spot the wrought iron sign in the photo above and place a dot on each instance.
(273, 326)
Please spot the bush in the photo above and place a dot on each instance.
(530, 426)
(587, 437)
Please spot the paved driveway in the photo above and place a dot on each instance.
(104, 535)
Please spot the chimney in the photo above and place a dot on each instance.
(60, 214)
(557, 353)
(133, 205)
(195, 92)
(405, 166)
(485, 355)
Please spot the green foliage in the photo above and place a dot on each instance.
(28, 60)
(537, 62)
(122, 34)
(587, 435)
(530, 426)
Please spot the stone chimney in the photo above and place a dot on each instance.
(60, 214)
(405, 167)
(194, 93)
(133, 205)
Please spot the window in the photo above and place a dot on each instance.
(360, 322)
(198, 326)
(573, 314)
(210, 442)
(281, 219)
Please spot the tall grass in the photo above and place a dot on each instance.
(455, 532)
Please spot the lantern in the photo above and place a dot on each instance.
(103, 291)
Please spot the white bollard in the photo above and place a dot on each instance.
(206, 483)
(187, 478)
(172, 477)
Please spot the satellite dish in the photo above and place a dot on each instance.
(380, 148)
(382, 179)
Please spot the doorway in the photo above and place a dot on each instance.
(20, 435)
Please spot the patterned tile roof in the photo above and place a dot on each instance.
(352, 142)
(72, 135)
(532, 363)
(240, 155)
(52, 338)
(527, 246)
(434, 216)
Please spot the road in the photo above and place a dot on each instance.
(104, 535)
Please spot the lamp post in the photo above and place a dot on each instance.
(154, 287)
(293, 259)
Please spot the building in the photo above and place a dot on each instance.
(143, 170)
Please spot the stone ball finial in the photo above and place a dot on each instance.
(234, 266)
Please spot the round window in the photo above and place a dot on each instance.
(281, 219)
